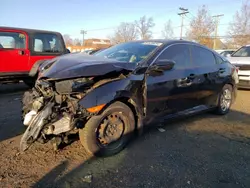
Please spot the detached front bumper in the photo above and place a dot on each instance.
(244, 84)
(244, 81)
(244, 78)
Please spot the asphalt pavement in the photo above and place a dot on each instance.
(201, 151)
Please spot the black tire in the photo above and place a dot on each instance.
(89, 136)
(220, 109)
(27, 103)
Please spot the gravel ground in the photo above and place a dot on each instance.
(200, 151)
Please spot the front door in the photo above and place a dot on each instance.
(170, 92)
(14, 54)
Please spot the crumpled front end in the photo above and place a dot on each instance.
(52, 110)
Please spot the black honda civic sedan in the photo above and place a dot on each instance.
(109, 96)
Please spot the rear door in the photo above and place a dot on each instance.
(14, 53)
(206, 77)
(45, 46)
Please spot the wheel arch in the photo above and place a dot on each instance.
(132, 104)
(124, 90)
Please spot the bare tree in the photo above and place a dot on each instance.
(167, 31)
(77, 42)
(125, 32)
(239, 29)
(68, 40)
(201, 26)
(144, 26)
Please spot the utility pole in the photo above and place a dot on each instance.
(216, 28)
(183, 12)
(83, 32)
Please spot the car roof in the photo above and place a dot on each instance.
(27, 30)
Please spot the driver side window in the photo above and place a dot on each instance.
(179, 53)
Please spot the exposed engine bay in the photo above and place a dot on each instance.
(52, 110)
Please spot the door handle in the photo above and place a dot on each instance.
(222, 70)
(184, 82)
(21, 52)
(191, 76)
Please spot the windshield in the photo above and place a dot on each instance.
(242, 52)
(132, 52)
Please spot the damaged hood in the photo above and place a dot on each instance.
(81, 65)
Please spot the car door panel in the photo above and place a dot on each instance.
(224, 73)
(204, 64)
(170, 92)
(164, 92)
(14, 53)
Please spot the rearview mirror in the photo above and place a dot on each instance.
(162, 65)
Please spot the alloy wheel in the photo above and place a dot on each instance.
(225, 100)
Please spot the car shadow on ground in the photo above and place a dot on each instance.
(181, 156)
(11, 130)
(12, 88)
(10, 110)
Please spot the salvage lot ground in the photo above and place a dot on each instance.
(201, 151)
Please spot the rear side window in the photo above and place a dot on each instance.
(202, 57)
(12, 40)
(47, 43)
(180, 53)
(219, 60)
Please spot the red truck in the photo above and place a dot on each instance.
(23, 50)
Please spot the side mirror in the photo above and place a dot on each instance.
(228, 55)
(67, 51)
(162, 65)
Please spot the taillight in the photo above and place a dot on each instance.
(235, 69)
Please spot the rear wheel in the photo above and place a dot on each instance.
(225, 100)
(108, 133)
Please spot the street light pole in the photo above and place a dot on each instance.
(216, 28)
(182, 14)
(83, 32)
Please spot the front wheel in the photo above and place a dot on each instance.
(108, 133)
(225, 100)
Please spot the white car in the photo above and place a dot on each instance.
(241, 59)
